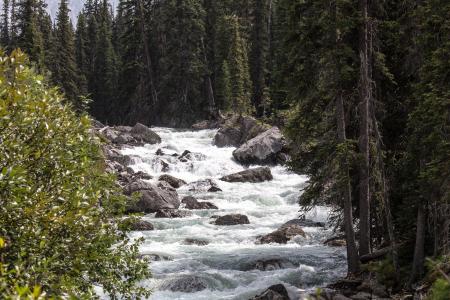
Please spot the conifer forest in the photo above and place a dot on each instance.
(225, 149)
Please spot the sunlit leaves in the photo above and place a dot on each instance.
(54, 233)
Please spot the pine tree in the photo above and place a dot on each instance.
(65, 73)
(259, 54)
(30, 37)
(239, 69)
(81, 52)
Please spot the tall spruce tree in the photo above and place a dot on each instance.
(66, 73)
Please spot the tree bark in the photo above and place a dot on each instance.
(352, 253)
(147, 57)
(364, 137)
(419, 250)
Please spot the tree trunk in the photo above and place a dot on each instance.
(352, 253)
(364, 141)
(147, 57)
(419, 250)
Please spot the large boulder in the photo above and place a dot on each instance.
(144, 134)
(192, 203)
(275, 292)
(185, 284)
(173, 181)
(251, 175)
(282, 235)
(237, 130)
(152, 198)
(172, 213)
(262, 149)
(205, 185)
(235, 219)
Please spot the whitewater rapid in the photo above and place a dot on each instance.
(227, 262)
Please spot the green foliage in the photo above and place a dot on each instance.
(440, 290)
(58, 209)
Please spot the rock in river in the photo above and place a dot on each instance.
(262, 149)
(206, 185)
(229, 220)
(275, 292)
(282, 235)
(193, 203)
(152, 198)
(173, 181)
(172, 213)
(250, 175)
(185, 284)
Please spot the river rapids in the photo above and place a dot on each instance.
(229, 263)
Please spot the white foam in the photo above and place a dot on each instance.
(231, 248)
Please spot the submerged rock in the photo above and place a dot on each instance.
(272, 264)
(185, 284)
(173, 181)
(262, 149)
(172, 213)
(193, 203)
(235, 219)
(198, 242)
(282, 235)
(206, 185)
(152, 198)
(250, 175)
(275, 292)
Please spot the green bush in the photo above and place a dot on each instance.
(58, 209)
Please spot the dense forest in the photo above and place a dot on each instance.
(361, 88)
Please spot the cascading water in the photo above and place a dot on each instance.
(228, 264)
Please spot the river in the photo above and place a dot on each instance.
(228, 263)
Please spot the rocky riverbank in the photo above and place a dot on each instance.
(173, 191)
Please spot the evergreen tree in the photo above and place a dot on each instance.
(239, 69)
(65, 73)
(259, 54)
(30, 37)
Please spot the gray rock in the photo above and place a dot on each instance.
(173, 181)
(152, 198)
(156, 257)
(172, 213)
(237, 130)
(198, 242)
(261, 149)
(192, 203)
(250, 175)
(185, 284)
(144, 134)
(206, 185)
(142, 225)
(228, 220)
(272, 264)
(282, 235)
(275, 292)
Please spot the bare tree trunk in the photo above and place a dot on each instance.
(352, 252)
(209, 87)
(353, 262)
(147, 57)
(364, 134)
(419, 250)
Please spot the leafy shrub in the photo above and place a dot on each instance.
(58, 209)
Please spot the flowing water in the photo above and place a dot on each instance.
(228, 263)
